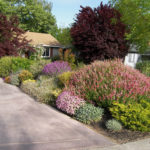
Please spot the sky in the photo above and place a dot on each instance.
(65, 10)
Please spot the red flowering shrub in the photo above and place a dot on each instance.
(103, 82)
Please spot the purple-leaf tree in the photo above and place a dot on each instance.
(99, 34)
(11, 39)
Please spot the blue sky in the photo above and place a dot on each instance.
(66, 10)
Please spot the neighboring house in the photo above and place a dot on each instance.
(133, 57)
(47, 41)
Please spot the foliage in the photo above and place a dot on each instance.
(135, 14)
(37, 67)
(7, 79)
(51, 83)
(88, 113)
(25, 75)
(103, 82)
(43, 77)
(14, 79)
(29, 80)
(11, 40)
(29, 88)
(5, 66)
(144, 67)
(99, 34)
(64, 78)
(67, 56)
(39, 50)
(20, 63)
(68, 103)
(10, 65)
(44, 90)
(113, 125)
(63, 36)
(34, 15)
(56, 68)
(135, 117)
(55, 58)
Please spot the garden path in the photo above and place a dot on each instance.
(29, 125)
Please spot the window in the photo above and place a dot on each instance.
(131, 58)
(46, 52)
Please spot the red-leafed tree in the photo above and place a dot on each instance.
(99, 34)
(11, 39)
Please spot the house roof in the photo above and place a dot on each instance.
(41, 39)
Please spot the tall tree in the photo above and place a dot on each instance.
(64, 37)
(34, 15)
(99, 34)
(11, 40)
(136, 15)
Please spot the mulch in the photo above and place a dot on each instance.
(123, 136)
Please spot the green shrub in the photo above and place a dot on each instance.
(14, 80)
(20, 63)
(113, 125)
(37, 67)
(46, 95)
(30, 88)
(10, 65)
(55, 58)
(25, 75)
(64, 78)
(89, 113)
(45, 91)
(133, 116)
(43, 77)
(51, 83)
(5, 66)
(144, 67)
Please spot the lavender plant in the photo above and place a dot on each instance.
(56, 68)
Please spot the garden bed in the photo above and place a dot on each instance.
(120, 137)
(109, 97)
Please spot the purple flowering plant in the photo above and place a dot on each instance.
(56, 68)
(69, 103)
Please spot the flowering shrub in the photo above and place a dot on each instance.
(64, 78)
(56, 68)
(7, 79)
(25, 75)
(68, 103)
(45, 90)
(37, 67)
(103, 82)
(29, 80)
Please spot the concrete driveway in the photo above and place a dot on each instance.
(29, 125)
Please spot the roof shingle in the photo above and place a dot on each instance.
(41, 39)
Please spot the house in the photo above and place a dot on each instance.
(133, 57)
(46, 41)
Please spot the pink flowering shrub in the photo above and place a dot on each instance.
(56, 68)
(68, 103)
(103, 82)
